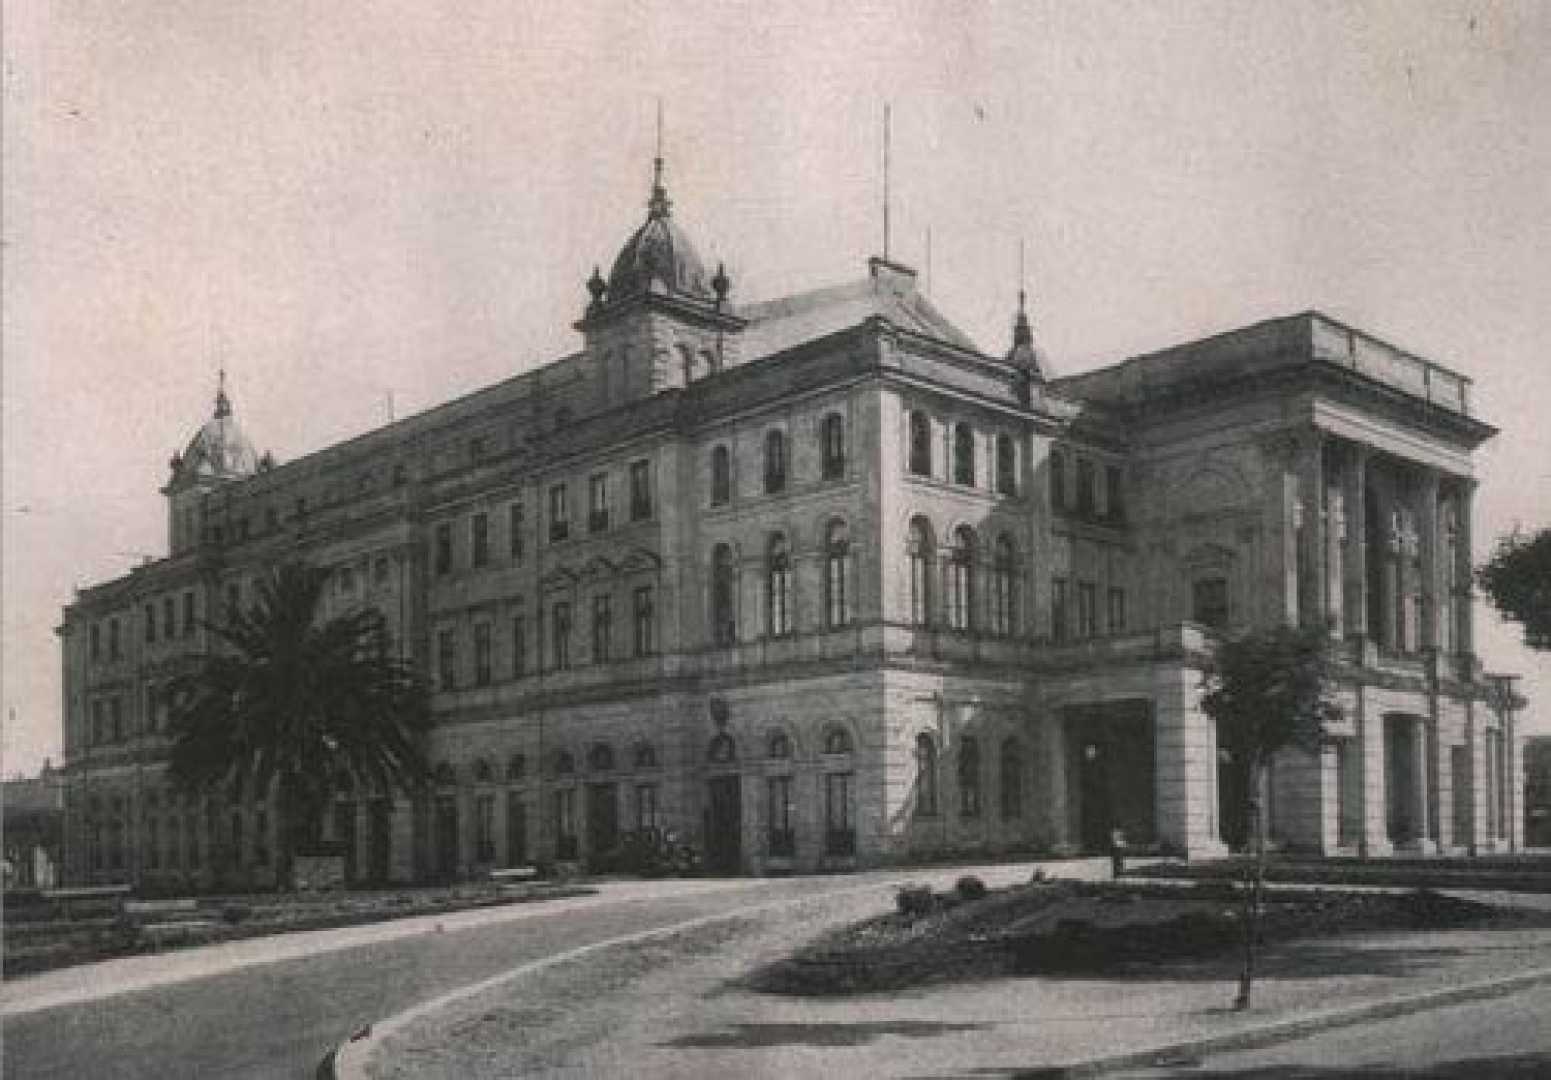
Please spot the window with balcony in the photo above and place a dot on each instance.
(1004, 589)
(961, 580)
(837, 572)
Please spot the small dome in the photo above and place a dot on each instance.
(659, 256)
(220, 450)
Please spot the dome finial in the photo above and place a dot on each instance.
(223, 404)
(659, 206)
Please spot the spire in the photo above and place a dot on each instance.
(223, 405)
(1022, 333)
(659, 205)
(1024, 353)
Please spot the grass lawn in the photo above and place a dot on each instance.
(1071, 928)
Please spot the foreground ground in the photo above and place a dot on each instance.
(682, 1007)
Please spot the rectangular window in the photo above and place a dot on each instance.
(602, 627)
(233, 599)
(482, 654)
(1057, 480)
(514, 532)
(783, 816)
(150, 710)
(261, 838)
(519, 645)
(1115, 489)
(1117, 610)
(1087, 609)
(447, 659)
(188, 614)
(116, 713)
(598, 503)
(99, 732)
(559, 514)
(516, 829)
(645, 807)
(150, 624)
(380, 570)
(96, 642)
(560, 636)
(645, 619)
(115, 646)
(1058, 610)
(169, 618)
(484, 827)
(444, 548)
(839, 822)
(1086, 483)
(640, 490)
(565, 823)
(479, 540)
(153, 843)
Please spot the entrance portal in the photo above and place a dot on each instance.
(1400, 779)
(1111, 758)
(446, 836)
(602, 819)
(724, 825)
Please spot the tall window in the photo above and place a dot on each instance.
(920, 444)
(519, 643)
(922, 553)
(644, 619)
(645, 807)
(640, 490)
(837, 564)
(839, 814)
(116, 714)
(1012, 778)
(775, 462)
(1057, 469)
(597, 502)
(515, 537)
(781, 810)
(516, 829)
(482, 654)
(169, 618)
(602, 627)
(1448, 625)
(1117, 610)
(961, 575)
(1058, 616)
(926, 775)
(724, 627)
(1006, 466)
(1115, 492)
(778, 588)
(1004, 576)
(479, 540)
(443, 555)
(447, 659)
(115, 646)
(484, 827)
(565, 823)
(721, 476)
(560, 635)
(1087, 609)
(963, 455)
(969, 776)
(96, 640)
(559, 514)
(150, 624)
(1087, 499)
(1209, 602)
(833, 436)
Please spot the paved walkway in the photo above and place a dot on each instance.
(670, 1008)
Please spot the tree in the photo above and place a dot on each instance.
(1517, 581)
(299, 705)
(1268, 690)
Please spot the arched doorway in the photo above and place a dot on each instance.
(724, 808)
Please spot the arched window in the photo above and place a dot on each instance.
(922, 552)
(779, 746)
(963, 455)
(600, 758)
(920, 444)
(444, 774)
(961, 575)
(837, 740)
(483, 773)
(645, 756)
(722, 751)
(516, 767)
(778, 588)
(833, 438)
(724, 626)
(969, 776)
(775, 462)
(1006, 466)
(721, 476)
(837, 574)
(565, 763)
(926, 775)
(1012, 778)
(1004, 577)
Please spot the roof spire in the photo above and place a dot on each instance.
(659, 205)
(223, 405)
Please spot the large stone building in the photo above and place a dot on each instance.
(816, 583)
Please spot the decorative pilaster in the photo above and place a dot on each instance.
(1355, 563)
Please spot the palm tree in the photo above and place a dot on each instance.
(299, 705)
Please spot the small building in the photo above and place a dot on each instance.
(815, 583)
(33, 829)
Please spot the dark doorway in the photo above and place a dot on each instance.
(1111, 756)
(379, 839)
(344, 832)
(1400, 779)
(602, 819)
(446, 836)
(1232, 800)
(724, 825)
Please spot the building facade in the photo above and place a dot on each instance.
(816, 583)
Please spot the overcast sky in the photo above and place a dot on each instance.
(339, 201)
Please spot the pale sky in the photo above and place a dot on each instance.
(340, 200)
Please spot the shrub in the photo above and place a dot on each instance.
(915, 900)
(969, 887)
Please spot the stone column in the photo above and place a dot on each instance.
(1185, 764)
(1335, 529)
(1420, 786)
(1391, 551)
(1355, 563)
(1427, 537)
(1312, 606)
(1465, 631)
(1375, 801)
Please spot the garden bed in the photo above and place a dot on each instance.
(1067, 927)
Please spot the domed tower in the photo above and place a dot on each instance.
(219, 453)
(1028, 357)
(660, 320)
